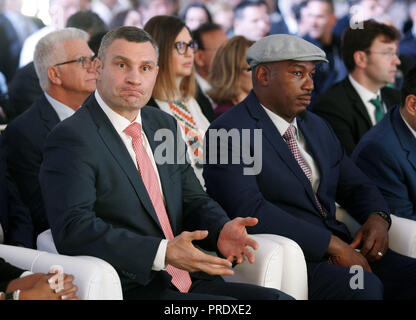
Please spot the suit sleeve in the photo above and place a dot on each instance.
(7, 274)
(332, 111)
(386, 173)
(68, 178)
(23, 164)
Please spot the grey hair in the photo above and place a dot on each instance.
(49, 51)
(131, 34)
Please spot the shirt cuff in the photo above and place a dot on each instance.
(159, 262)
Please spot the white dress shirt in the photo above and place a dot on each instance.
(120, 124)
(366, 95)
(282, 125)
(61, 109)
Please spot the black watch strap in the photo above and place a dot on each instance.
(385, 216)
(9, 296)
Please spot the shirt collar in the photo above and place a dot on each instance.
(365, 94)
(61, 109)
(119, 122)
(281, 124)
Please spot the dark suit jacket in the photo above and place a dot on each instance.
(343, 108)
(24, 140)
(281, 196)
(97, 203)
(7, 274)
(24, 90)
(14, 215)
(387, 154)
(408, 44)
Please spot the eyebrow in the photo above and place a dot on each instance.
(297, 65)
(130, 61)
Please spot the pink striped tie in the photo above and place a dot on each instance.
(290, 138)
(180, 278)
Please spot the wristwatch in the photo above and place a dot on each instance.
(385, 216)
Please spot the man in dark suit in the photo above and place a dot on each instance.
(290, 171)
(408, 42)
(355, 104)
(14, 29)
(387, 153)
(321, 18)
(108, 192)
(63, 65)
(15, 222)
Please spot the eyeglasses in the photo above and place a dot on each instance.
(85, 61)
(390, 54)
(182, 46)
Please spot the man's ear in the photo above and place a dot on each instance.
(198, 58)
(360, 59)
(97, 65)
(54, 75)
(410, 104)
(262, 75)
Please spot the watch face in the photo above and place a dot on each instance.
(9, 296)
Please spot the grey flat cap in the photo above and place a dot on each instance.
(280, 47)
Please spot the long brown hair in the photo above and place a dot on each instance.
(225, 69)
(164, 30)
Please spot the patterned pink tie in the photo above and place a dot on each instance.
(180, 278)
(290, 138)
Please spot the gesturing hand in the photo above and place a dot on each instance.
(233, 240)
(181, 253)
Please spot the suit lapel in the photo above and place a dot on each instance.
(406, 138)
(116, 147)
(358, 104)
(273, 136)
(47, 113)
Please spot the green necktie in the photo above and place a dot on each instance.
(379, 113)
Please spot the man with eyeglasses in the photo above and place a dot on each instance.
(354, 105)
(64, 65)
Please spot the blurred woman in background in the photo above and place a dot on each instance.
(175, 87)
(229, 74)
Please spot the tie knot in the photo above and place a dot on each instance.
(376, 102)
(290, 133)
(134, 130)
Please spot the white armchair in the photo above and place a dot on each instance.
(279, 264)
(402, 234)
(95, 278)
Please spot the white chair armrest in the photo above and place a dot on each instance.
(95, 278)
(294, 273)
(266, 271)
(402, 234)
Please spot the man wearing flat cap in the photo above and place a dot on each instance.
(298, 170)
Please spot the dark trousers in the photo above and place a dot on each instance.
(393, 277)
(213, 289)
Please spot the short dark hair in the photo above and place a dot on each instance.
(205, 28)
(238, 10)
(361, 39)
(182, 15)
(409, 85)
(131, 34)
(88, 21)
